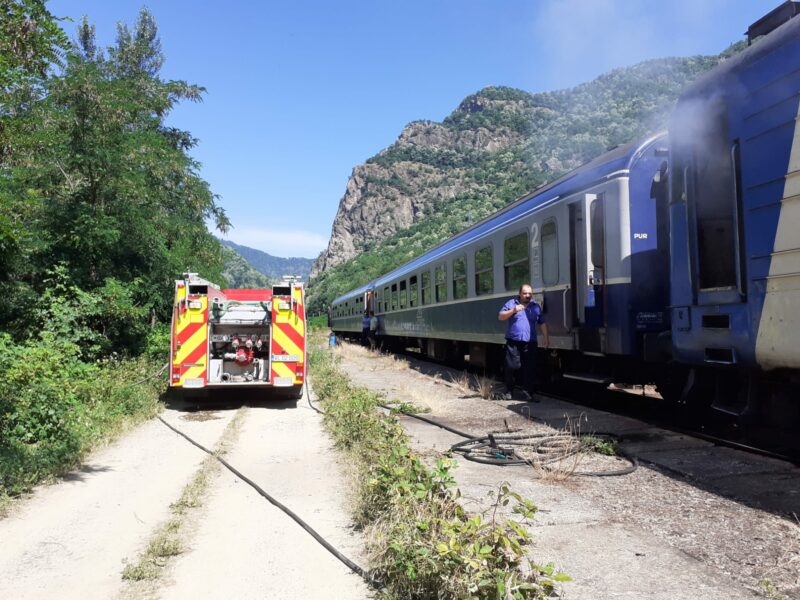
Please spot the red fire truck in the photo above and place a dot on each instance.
(238, 337)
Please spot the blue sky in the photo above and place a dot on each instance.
(300, 92)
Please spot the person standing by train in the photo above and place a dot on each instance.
(365, 329)
(523, 314)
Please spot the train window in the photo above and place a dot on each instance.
(516, 268)
(441, 283)
(459, 278)
(386, 298)
(426, 287)
(403, 294)
(549, 253)
(484, 278)
(394, 296)
(715, 199)
(412, 291)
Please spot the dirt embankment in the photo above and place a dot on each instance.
(653, 534)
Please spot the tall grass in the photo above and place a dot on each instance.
(422, 543)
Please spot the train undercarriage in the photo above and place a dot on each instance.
(743, 398)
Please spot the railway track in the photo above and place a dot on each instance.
(719, 429)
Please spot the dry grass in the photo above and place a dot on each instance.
(5, 505)
(395, 363)
(557, 457)
(485, 386)
(410, 397)
(349, 349)
(789, 562)
(461, 381)
(561, 459)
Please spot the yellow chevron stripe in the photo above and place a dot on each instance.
(290, 318)
(287, 344)
(193, 372)
(200, 336)
(192, 315)
(296, 324)
(283, 370)
(182, 322)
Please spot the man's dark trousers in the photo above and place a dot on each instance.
(520, 355)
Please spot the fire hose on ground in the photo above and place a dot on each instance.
(310, 530)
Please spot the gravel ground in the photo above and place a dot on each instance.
(71, 539)
(654, 533)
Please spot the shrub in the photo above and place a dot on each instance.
(54, 408)
(423, 543)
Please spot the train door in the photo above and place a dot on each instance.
(587, 270)
(369, 304)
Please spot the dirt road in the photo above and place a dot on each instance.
(73, 539)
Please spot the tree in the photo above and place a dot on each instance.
(30, 42)
(110, 190)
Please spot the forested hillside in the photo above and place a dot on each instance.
(101, 205)
(239, 273)
(273, 267)
(439, 178)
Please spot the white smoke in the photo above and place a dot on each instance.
(598, 35)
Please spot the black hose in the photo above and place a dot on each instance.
(350, 564)
(149, 377)
(499, 449)
(492, 453)
(308, 397)
(426, 420)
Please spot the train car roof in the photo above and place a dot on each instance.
(614, 163)
(724, 74)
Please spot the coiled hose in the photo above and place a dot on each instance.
(539, 450)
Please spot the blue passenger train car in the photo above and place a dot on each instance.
(588, 243)
(735, 210)
(673, 260)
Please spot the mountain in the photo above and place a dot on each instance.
(273, 267)
(438, 178)
(240, 274)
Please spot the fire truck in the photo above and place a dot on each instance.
(238, 338)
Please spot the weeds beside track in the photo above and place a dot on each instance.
(422, 543)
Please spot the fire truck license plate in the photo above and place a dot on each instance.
(285, 358)
(193, 382)
(283, 381)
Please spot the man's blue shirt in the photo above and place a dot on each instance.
(522, 325)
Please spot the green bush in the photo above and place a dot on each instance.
(423, 543)
(54, 408)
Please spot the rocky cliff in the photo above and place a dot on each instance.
(500, 143)
(402, 184)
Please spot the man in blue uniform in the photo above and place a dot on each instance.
(523, 313)
(365, 329)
